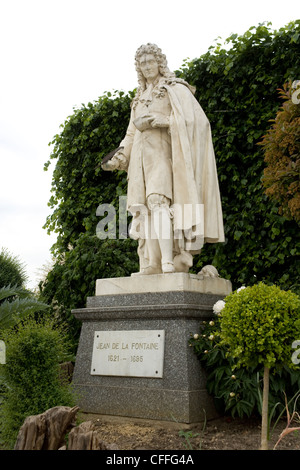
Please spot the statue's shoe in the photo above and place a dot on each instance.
(148, 270)
(168, 268)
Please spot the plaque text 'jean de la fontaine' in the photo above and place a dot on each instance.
(136, 353)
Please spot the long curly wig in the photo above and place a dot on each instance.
(164, 70)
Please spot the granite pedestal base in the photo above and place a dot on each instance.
(180, 394)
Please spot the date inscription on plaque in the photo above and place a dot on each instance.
(134, 353)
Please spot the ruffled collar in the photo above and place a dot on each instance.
(154, 88)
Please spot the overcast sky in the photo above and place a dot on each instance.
(56, 55)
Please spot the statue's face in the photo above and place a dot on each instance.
(149, 67)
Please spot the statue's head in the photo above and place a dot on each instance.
(164, 71)
(160, 58)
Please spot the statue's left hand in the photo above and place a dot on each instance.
(160, 121)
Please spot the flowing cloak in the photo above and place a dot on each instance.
(196, 202)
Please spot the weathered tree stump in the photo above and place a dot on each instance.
(84, 437)
(47, 430)
(32, 434)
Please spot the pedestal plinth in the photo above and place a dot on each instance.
(133, 357)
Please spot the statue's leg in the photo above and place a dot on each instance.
(164, 233)
(149, 250)
(156, 251)
(163, 230)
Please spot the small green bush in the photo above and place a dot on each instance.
(32, 375)
(259, 324)
(262, 322)
(237, 391)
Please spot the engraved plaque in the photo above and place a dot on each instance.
(134, 353)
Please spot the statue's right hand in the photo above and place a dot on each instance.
(117, 162)
(110, 165)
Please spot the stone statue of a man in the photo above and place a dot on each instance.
(173, 191)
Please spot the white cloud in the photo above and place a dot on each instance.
(56, 55)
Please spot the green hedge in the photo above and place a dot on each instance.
(237, 86)
(31, 377)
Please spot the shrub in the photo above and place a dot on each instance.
(281, 146)
(12, 270)
(32, 375)
(237, 391)
(259, 324)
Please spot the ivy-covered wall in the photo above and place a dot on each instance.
(237, 86)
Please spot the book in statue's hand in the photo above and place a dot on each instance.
(109, 156)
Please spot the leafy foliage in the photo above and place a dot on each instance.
(32, 375)
(15, 304)
(15, 301)
(281, 145)
(237, 390)
(259, 324)
(69, 282)
(12, 270)
(79, 186)
(237, 89)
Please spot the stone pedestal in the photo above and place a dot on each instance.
(173, 304)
